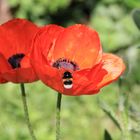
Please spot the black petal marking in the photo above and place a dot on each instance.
(15, 60)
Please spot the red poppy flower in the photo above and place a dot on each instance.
(15, 44)
(70, 60)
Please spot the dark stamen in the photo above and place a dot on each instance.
(65, 63)
(15, 60)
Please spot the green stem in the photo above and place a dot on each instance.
(26, 111)
(58, 110)
(126, 121)
(124, 109)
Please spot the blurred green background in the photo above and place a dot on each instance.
(84, 117)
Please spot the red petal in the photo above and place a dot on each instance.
(43, 44)
(3, 67)
(80, 44)
(2, 81)
(16, 36)
(25, 62)
(85, 81)
(114, 66)
(19, 75)
(52, 77)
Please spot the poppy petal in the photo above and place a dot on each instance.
(3, 66)
(49, 75)
(17, 35)
(85, 81)
(114, 66)
(82, 84)
(25, 62)
(20, 75)
(79, 44)
(47, 37)
(2, 81)
(43, 43)
(15, 38)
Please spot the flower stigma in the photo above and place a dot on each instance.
(15, 60)
(66, 64)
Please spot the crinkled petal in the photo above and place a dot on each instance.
(52, 77)
(114, 66)
(85, 81)
(20, 75)
(46, 40)
(43, 43)
(3, 67)
(44, 46)
(2, 81)
(54, 42)
(82, 80)
(79, 44)
(16, 36)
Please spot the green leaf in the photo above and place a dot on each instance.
(136, 17)
(110, 114)
(107, 136)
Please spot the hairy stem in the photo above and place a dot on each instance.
(58, 110)
(26, 111)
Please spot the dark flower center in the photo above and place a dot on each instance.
(65, 63)
(15, 60)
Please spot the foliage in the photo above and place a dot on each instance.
(136, 17)
(107, 135)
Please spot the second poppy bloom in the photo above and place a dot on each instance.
(15, 45)
(70, 60)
